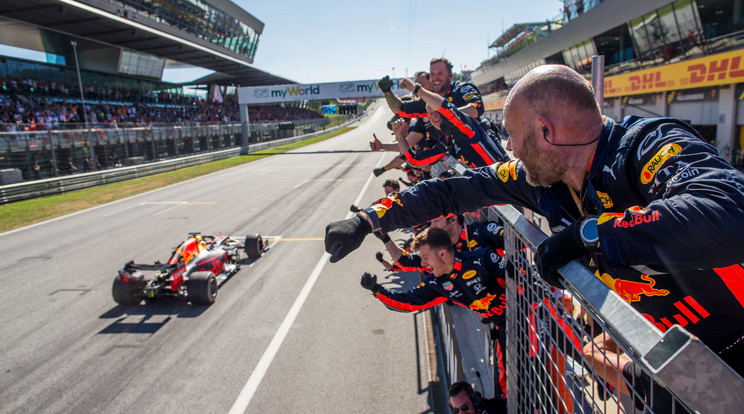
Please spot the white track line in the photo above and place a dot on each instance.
(250, 387)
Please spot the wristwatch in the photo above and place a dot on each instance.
(590, 234)
(416, 89)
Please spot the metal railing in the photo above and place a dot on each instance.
(549, 332)
(58, 185)
(89, 149)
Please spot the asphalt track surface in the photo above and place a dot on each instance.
(290, 332)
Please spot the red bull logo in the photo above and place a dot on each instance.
(385, 204)
(637, 216)
(689, 312)
(482, 304)
(631, 291)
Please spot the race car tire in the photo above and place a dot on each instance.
(202, 288)
(126, 294)
(254, 246)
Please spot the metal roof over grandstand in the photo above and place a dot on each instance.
(513, 32)
(45, 25)
(246, 79)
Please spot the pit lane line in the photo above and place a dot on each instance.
(250, 387)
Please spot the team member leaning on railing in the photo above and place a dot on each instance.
(464, 237)
(472, 279)
(646, 204)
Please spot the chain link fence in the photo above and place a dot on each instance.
(566, 349)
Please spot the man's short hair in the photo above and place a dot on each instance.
(456, 388)
(420, 73)
(543, 90)
(436, 239)
(443, 60)
(392, 182)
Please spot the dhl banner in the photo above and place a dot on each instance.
(720, 69)
(314, 91)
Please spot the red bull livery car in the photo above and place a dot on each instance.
(196, 268)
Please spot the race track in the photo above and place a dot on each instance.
(291, 333)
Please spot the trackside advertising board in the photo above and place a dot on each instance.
(713, 70)
(313, 91)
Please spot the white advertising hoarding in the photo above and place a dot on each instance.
(313, 91)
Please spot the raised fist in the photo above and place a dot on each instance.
(385, 84)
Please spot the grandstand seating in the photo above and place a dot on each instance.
(31, 104)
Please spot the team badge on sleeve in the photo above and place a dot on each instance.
(666, 152)
(507, 169)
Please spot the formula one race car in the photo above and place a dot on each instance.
(196, 268)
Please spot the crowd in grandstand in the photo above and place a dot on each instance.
(30, 104)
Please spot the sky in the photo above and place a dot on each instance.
(333, 40)
(341, 40)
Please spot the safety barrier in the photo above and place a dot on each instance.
(548, 328)
(58, 185)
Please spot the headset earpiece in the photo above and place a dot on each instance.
(476, 398)
(546, 131)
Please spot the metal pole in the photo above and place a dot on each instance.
(82, 98)
(598, 79)
(80, 81)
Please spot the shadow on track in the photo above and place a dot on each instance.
(148, 318)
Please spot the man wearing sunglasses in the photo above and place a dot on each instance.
(463, 399)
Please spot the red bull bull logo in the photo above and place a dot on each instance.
(482, 304)
(383, 205)
(631, 291)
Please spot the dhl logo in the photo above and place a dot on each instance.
(666, 152)
(721, 69)
(482, 304)
(629, 290)
(716, 70)
(506, 170)
(647, 81)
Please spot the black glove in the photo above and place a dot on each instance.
(385, 84)
(382, 236)
(557, 250)
(369, 282)
(378, 256)
(354, 209)
(344, 236)
(378, 171)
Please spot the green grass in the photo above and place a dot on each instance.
(24, 213)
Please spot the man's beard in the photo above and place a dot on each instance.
(543, 169)
(443, 87)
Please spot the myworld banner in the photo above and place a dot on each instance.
(313, 91)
